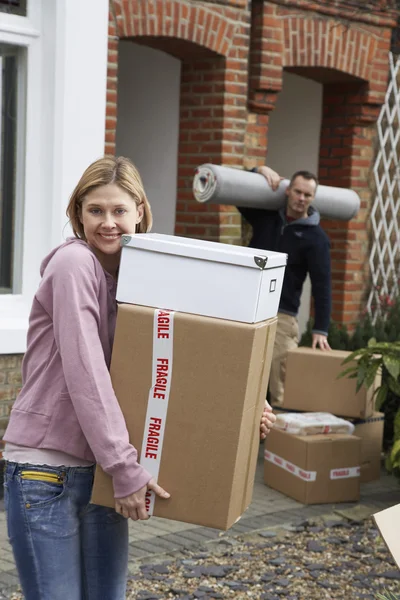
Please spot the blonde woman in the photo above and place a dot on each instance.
(67, 417)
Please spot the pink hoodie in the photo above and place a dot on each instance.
(67, 402)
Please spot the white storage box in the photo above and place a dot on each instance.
(200, 277)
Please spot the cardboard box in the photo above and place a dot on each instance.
(387, 521)
(209, 394)
(313, 469)
(312, 384)
(371, 433)
(200, 277)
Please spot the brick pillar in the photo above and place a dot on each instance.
(112, 82)
(346, 155)
(213, 119)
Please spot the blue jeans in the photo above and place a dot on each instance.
(65, 548)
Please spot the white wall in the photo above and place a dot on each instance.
(293, 142)
(63, 131)
(148, 124)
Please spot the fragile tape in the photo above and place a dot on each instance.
(345, 473)
(157, 406)
(290, 467)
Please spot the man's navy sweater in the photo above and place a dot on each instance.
(307, 247)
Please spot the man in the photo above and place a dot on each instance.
(294, 230)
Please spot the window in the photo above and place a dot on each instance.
(14, 7)
(10, 223)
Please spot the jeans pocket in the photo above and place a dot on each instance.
(41, 488)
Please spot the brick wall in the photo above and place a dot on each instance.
(346, 156)
(10, 382)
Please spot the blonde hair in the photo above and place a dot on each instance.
(110, 169)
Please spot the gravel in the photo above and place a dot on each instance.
(318, 562)
(275, 564)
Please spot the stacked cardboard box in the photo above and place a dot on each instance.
(333, 465)
(370, 431)
(190, 368)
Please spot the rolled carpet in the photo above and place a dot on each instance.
(225, 185)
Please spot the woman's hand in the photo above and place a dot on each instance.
(272, 177)
(134, 506)
(267, 421)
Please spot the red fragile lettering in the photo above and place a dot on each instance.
(163, 325)
(267, 455)
(290, 467)
(327, 429)
(304, 474)
(148, 500)
(278, 460)
(341, 473)
(153, 437)
(162, 373)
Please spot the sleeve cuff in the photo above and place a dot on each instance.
(320, 332)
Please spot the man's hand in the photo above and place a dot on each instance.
(272, 177)
(134, 506)
(320, 341)
(267, 421)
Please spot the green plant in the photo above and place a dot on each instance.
(387, 596)
(383, 357)
(386, 327)
(372, 359)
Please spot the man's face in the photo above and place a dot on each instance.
(300, 195)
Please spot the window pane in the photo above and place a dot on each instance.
(8, 139)
(14, 7)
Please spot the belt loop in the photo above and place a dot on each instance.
(10, 468)
(70, 475)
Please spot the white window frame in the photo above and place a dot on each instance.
(63, 131)
(23, 32)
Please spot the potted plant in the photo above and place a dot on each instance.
(383, 357)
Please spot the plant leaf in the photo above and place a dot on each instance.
(381, 396)
(394, 386)
(396, 425)
(370, 376)
(395, 451)
(392, 363)
(348, 371)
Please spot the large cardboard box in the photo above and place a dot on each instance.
(312, 384)
(200, 277)
(192, 391)
(313, 469)
(370, 431)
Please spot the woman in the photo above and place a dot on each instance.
(67, 417)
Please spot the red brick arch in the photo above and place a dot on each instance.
(284, 37)
(328, 43)
(199, 24)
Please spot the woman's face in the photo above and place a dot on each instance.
(107, 213)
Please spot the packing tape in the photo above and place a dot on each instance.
(290, 467)
(157, 406)
(345, 473)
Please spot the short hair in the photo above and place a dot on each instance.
(106, 170)
(306, 175)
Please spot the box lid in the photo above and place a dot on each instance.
(204, 250)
